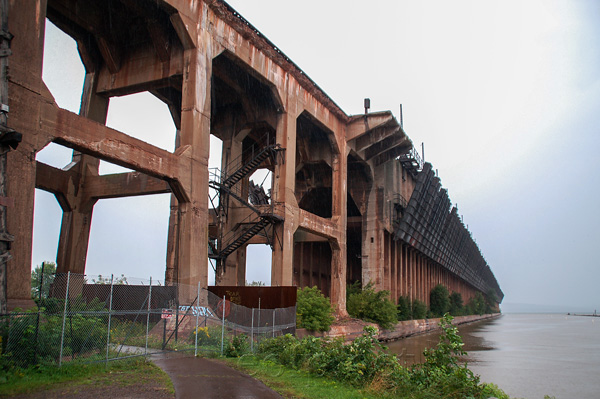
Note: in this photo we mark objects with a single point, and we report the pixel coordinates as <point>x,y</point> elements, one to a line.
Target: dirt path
<point>204,378</point>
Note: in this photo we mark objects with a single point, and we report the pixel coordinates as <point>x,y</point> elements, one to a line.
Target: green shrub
<point>313,310</point>
<point>207,336</point>
<point>373,306</point>
<point>356,363</point>
<point>83,334</point>
<point>364,363</point>
<point>490,301</point>
<point>404,308</point>
<point>439,301</point>
<point>477,304</point>
<point>419,310</point>
<point>456,304</point>
<point>441,372</point>
<point>237,346</point>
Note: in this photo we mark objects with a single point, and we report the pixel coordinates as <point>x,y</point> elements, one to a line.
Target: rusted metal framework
<point>343,188</point>
<point>433,229</point>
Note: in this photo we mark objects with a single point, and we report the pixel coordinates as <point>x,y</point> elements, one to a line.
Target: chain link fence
<point>79,319</point>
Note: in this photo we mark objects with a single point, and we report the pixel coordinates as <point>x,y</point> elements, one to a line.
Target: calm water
<point>528,355</point>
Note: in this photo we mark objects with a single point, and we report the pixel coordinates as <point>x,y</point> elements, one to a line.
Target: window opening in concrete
<point>46,228</point>
<point>129,236</point>
<point>258,264</point>
<point>314,157</point>
<point>63,72</point>
<point>312,261</point>
<point>244,109</point>
<point>55,155</point>
<point>143,116</point>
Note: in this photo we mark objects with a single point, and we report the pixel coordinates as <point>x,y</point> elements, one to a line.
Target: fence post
<point>196,330</point>
<point>274,310</point>
<point>252,333</point>
<point>148,316</point>
<point>62,334</point>
<point>258,324</point>
<point>110,298</point>
<point>222,324</point>
<point>177,315</point>
<point>37,323</point>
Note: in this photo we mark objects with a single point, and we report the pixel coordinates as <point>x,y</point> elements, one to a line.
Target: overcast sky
<point>505,95</point>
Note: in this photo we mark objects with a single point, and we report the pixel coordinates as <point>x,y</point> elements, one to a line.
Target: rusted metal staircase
<point>245,234</point>
<point>250,167</point>
<point>259,219</point>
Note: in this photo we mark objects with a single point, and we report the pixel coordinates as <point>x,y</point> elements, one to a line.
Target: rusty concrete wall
<point>219,76</point>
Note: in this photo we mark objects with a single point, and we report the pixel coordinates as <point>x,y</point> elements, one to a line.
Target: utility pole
<point>8,139</point>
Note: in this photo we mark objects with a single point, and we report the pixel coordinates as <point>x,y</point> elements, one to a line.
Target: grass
<point>292,383</point>
<point>41,378</point>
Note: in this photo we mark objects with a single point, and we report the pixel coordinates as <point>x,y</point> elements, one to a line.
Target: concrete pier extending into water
<point>350,197</point>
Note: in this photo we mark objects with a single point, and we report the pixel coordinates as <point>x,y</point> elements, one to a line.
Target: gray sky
<point>505,96</point>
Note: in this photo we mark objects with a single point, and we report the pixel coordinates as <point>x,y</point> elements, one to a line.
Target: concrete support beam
<point>142,70</point>
<point>192,236</point>
<point>55,181</point>
<point>339,215</point>
<point>94,139</point>
<point>27,24</point>
<point>122,185</point>
<point>76,223</point>
<point>284,198</point>
<point>361,124</point>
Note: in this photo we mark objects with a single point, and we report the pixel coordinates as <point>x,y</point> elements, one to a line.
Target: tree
<point>106,280</point>
<point>491,300</point>
<point>419,310</point>
<point>46,279</point>
<point>456,304</point>
<point>404,308</point>
<point>374,306</point>
<point>439,301</point>
<point>477,304</point>
<point>313,310</point>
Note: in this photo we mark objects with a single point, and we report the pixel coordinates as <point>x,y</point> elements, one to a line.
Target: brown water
<point>527,355</point>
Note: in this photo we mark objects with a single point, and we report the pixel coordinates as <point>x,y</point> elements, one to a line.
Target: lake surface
<point>527,355</point>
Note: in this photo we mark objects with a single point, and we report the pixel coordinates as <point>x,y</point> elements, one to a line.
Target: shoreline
<point>352,328</point>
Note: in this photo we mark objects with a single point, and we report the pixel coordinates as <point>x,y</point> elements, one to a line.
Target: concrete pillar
<point>410,272</point>
<point>77,217</point>
<point>339,213</point>
<point>373,244</point>
<point>192,237</point>
<point>27,23</point>
<point>338,279</point>
<point>230,271</point>
<point>170,272</point>
<point>283,193</point>
<point>387,263</point>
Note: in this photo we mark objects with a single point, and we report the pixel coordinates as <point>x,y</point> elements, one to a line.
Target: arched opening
<point>143,116</point>
<point>359,183</point>
<point>61,60</point>
<point>129,236</point>
<point>312,261</point>
<point>258,264</point>
<point>116,220</point>
<point>314,157</point>
<point>244,110</point>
